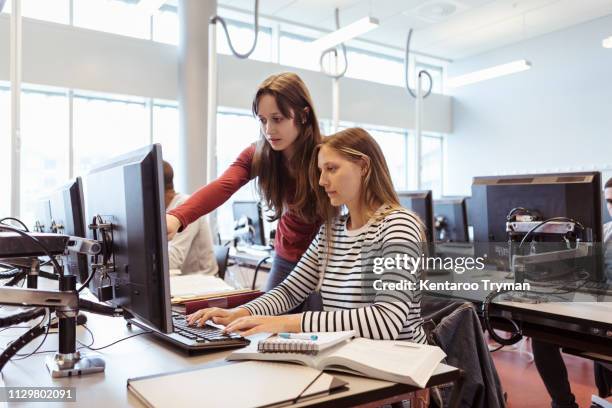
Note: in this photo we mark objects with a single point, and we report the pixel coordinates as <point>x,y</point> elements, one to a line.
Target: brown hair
<point>168,176</point>
<point>294,101</point>
<point>357,145</point>
<point>608,183</point>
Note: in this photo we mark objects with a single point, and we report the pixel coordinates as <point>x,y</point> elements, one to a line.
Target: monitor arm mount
<point>66,304</point>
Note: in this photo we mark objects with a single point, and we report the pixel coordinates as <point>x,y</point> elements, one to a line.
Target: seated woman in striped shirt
<point>351,257</point>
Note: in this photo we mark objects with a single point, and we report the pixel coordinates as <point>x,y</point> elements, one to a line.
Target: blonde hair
<point>357,145</point>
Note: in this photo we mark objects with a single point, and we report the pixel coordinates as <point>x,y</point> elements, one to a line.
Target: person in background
<point>191,250</point>
<point>351,172</point>
<point>279,161</point>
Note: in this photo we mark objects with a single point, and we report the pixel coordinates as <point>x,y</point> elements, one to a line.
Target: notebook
<point>275,344</point>
<point>248,384</point>
<point>397,361</point>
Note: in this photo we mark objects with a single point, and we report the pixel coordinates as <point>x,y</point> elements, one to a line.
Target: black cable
<point>214,20</point>
<point>515,336</point>
<point>261,262</point>
<point>89,278</point>
<point>501,346</point>
<point>21,317</point>
<point>25,227</point>
<point>120,340</point>
<point>21,357</point>
<point>56,266</point>
<point>22,341</point>
<point>9,274</point>
<point>547,221</point>
<point>406,62</point>
<point>515,209</point>
<point>17,278</point>
<point>90,334</point>
<point>342,47</point>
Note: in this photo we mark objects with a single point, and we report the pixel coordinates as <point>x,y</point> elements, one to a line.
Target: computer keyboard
<point>204,334</point>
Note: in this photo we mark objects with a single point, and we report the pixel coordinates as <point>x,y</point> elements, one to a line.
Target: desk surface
<point>146,355</point>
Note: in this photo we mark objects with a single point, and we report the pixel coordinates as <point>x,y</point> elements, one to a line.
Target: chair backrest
<point>222,256</point>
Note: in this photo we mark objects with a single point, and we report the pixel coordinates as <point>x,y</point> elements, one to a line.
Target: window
<point>5,149</point>
<point>106,126</point>
<point>166,131</point>
<point>48,10</point>
<point>242,36</point>
<point>235,131</point>
<point>113,16</point>
<point>374,67</point>
<point>292,52</point>
<point>44,145</point>
<point>431,164</point>
<point>436,76</point>
<point>166,25</point>
<point>394,146</point>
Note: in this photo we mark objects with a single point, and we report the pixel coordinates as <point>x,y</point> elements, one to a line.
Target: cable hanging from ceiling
<point>221,20</point>
<point>334,50</point>
<point>420,73</point>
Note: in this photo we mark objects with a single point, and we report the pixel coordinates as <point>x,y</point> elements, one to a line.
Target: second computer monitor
<point>575,196</point>
<point>452,214</point>
<point>421,203</point>
<point>62,212</point>
<point>249,222</point>
<point>127,192</point>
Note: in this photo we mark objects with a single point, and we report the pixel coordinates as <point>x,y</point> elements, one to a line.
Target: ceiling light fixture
<point>343,34</point>
<point>489,73</point>
<point>149,7</point>
<point>607,42</point>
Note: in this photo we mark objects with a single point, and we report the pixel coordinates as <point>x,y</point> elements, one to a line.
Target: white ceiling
<point>451,29</point>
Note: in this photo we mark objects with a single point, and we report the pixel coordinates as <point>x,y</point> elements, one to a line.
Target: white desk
<point>145,355</point>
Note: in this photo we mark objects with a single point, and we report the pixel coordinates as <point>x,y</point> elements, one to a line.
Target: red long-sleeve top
<point>293,234</point>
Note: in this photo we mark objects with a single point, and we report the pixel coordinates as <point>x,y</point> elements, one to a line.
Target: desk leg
<point>455,398</point>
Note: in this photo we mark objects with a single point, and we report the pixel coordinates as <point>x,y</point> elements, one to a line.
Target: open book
<point>397,361</point>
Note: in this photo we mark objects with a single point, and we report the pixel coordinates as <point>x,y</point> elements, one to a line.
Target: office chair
<point>222,256</point>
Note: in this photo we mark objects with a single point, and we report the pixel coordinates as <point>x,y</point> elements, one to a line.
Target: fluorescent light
<point>343,34</point>
<point>149,7</point>
<point>488,73</point>
<point>607,42</point>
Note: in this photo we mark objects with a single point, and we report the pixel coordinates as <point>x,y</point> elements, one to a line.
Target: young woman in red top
<point>279,160</point>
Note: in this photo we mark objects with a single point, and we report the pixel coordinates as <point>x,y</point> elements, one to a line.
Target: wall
<point>555,117</point>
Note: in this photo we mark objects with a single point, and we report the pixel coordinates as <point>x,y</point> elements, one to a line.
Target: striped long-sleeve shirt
<point>350,301</point>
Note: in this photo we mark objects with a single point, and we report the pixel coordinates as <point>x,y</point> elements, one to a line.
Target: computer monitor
<point>128,192</point>
<point>572,195</point>
<point>452,214</point>
<point>420,202</point>
<point>68,218</point>
<point>248,219</point>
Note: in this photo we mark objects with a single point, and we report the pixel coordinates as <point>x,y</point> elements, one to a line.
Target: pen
<point>297,336</point>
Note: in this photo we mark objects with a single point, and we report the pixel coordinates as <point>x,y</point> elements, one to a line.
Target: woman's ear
<point>365,165</point>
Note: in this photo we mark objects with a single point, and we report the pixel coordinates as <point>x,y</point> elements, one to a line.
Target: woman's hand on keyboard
<point>217,315</point>
<point>245,326</point>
